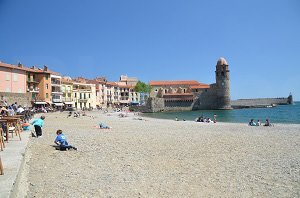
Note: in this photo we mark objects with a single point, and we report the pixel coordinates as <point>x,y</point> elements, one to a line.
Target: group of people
<point>206,119</point>
<point>258,123</point>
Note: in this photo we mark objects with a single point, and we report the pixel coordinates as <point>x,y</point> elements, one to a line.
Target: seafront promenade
<point>160,158</point>
<point>12,159</point>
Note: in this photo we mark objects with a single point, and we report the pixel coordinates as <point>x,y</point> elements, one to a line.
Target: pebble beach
<point>161,158</point>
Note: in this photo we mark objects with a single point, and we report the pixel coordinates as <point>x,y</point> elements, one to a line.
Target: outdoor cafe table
<point>10,120</point>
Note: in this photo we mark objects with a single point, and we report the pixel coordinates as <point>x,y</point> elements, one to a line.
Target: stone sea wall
<point>259,102</point>
<point>23,99</point>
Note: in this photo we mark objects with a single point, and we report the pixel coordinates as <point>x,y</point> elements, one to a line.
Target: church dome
<point>222,61</point>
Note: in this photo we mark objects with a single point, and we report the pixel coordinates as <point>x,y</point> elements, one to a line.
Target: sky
<point>159,40</point>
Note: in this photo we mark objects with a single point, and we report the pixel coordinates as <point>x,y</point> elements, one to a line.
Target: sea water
<point>278,114</point>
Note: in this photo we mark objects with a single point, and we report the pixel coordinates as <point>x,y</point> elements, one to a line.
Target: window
<point>47,77</point>
<point>222,73</point>
<point>47,86</point>
<point>15,77</point>
<point>166,91</point>
<point>89,95</point>
<point>75,95</point>
<point>20,90</point>
<point>47,95</point>
<point>7,77</point>
<point>28,77</point>
<point>7,89</point>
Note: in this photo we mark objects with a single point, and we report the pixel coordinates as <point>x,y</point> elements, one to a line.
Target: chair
<point>1,168</point>
<point>2,145</point>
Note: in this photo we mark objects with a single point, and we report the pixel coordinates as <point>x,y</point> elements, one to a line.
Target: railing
<point>56,100</point>
<point>32,81</point>
<point>68,100</point>
<point>124,98</point>
<point>55,82</point>
<point>82,100</point>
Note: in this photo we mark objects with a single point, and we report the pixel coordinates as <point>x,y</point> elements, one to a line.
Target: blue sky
<point>159,40</point>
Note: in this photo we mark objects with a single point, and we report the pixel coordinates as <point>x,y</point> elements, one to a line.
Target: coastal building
<point>67,90</point>
<point>56,91</point>
<point>29,86</point>
<point>39,85</point>
<point>191,94</point>
<point>12,78</point>
<point>84,94</point>
<point>127,94</point>
<point>112,94</point>
<point>101,90</point>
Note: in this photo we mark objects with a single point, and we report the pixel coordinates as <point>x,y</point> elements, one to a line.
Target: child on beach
<point>38,124</point>
<point>62,142</point>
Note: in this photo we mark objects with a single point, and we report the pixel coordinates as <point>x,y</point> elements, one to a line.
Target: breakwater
<point>260,102</point>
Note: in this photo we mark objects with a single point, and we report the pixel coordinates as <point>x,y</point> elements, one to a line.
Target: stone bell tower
<point>222,85</point>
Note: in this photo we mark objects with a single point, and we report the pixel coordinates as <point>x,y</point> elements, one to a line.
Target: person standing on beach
<point>215,118</point>
<point>38,124</point>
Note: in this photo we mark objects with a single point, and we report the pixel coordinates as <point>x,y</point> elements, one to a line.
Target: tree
<point>142,87</point>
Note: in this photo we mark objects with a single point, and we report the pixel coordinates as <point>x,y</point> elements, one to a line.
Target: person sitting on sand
<point>62,142</point>
<point>104,126</point>
<point>70,114</point>
<point>258,123</point>
<point>252,123</point>
<point>267,123</point>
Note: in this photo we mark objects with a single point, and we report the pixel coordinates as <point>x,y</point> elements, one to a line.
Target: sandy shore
<point>162,158</point>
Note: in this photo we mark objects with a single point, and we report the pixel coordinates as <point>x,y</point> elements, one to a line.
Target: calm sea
<point>278,114</point>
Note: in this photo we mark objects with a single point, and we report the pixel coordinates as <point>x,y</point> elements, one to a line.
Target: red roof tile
<point>191,83</point>
<point>201,86</point>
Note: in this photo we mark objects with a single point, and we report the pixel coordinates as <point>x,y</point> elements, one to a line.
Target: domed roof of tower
<point>222,61</point>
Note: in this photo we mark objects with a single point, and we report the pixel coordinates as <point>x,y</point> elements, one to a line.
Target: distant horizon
<point>160,40</point>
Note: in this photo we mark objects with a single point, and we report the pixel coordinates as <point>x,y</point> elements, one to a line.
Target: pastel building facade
<point>12,78</point>
<point>67,90</point>
<point>84,95</point>
<point>39,85</point>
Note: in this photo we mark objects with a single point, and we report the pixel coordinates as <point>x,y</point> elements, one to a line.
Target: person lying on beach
<point>139,118</point>
<point>62,142</point>
<point>104,126</point>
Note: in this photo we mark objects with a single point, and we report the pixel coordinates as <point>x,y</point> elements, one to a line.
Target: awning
<point>69,102</point>
<point>58,104</point>
<point>37,102</point>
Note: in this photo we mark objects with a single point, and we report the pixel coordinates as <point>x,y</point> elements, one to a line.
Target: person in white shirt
<point>20,109</point>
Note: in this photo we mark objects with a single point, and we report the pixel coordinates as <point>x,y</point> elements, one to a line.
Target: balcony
<point>56,100</point>
<point>68,99</point>
<point>33,90</point>
<point>82,100</point>
<point>29,80</point>
<point>55,82</point>
<point>124,98</point>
